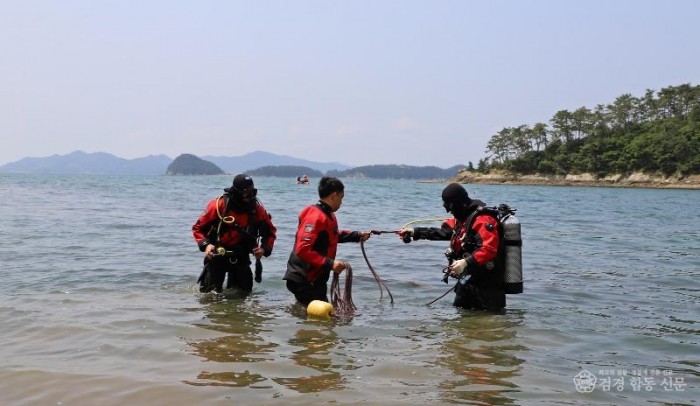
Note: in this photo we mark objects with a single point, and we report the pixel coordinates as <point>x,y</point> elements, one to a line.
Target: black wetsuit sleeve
<point>348,236</point>
<point>432,233</point>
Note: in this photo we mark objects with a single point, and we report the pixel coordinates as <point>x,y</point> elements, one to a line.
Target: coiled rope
<point>343,304</point>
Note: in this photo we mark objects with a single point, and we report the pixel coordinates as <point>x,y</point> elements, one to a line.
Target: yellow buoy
<point>320,310</point>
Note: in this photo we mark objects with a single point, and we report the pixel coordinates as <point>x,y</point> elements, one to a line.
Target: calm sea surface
<point>99,304</point>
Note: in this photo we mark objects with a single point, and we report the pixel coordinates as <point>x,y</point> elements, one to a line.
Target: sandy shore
<point>635,180</point>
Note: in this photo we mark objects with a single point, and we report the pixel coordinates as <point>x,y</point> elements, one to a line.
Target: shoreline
<point>635,180</point>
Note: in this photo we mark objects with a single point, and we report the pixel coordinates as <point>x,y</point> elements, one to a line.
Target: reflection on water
<point>314,347</point>
<point>472,357</point>
<point>241,343</point>
<point>317,348</point>
<point>479,350</point>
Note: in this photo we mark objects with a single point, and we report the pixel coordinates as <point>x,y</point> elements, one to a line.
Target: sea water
<point>99,302</point>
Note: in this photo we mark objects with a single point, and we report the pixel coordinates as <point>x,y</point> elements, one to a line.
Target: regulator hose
<point>443,295</point>
<point>425,221</point>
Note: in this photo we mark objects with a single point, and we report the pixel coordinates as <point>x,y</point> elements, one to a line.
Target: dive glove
<point>406,234</point>
<point>458,267</point>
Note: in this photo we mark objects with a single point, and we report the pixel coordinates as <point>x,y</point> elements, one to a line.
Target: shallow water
<point>100,306</point>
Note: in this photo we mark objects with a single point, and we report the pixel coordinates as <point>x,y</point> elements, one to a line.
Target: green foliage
<point>659,132</point>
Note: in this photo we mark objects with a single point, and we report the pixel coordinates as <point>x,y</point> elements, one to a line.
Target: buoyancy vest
<point>232,227</point>
<point>236,227</point>
<point>478,238</point>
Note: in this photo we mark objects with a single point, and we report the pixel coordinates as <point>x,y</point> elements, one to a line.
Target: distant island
<point>398,172</point>
<point>95,163</point>
<point>649,141</point>
<point>101,163</point>
<point>285,171</point>
<point>188,164</point>
<point>368,172</point>
<point>256,163</point>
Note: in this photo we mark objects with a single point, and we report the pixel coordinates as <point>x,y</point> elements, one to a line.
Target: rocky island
<point>187,164</point>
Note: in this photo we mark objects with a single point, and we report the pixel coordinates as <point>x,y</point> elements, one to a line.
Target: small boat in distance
<point>302,180</point>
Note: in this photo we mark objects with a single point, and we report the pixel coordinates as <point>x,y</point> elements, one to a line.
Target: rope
<point>445,279</point>
<point>343,304</point>
<point>425,221</point>
<point>377,278</point>
<point>222,219</point>
<point>380,283</point>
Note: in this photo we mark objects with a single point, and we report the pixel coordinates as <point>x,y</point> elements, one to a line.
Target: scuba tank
<point>512,247</point>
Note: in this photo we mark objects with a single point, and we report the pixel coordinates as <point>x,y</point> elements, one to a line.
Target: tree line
<point>658,132</point>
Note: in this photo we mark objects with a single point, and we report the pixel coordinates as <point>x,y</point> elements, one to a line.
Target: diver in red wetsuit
<point>313,256</point>
<point>475,240</point>
<point>231,227</point>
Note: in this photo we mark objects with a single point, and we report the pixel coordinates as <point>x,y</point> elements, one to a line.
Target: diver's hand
<point>458,267</point>
<point>258,252</point>
<point>364,235</point>
<point>339,266</point>
<point>406,234</point>
<point>209,251</point>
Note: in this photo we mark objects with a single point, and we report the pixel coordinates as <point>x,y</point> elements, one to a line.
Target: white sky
<point>357,82</point>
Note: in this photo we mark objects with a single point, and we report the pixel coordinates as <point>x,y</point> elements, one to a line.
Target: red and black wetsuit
<point>479,245</point>
<point>315,244</point>
<point>238,235</point>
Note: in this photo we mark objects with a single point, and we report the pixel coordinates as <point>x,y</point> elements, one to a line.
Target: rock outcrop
<point>636,179</point>
<point>188,164</point>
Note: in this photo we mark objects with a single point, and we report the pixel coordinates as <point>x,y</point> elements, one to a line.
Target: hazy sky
<point>356,82</point>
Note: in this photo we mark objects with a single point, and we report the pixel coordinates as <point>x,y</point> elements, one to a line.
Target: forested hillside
<point>657,132</point>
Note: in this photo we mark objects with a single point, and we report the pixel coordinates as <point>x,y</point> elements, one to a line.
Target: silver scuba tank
<point>513,275</point>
